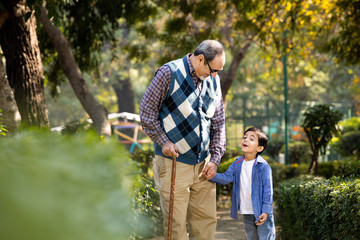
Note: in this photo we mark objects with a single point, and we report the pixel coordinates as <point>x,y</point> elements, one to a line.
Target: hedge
<point>54,187</point>
<point>342,168</point>
<point>318,208</point>
<point>348,144</point>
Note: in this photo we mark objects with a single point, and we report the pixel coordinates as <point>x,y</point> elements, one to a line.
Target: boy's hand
<point>262,219</point>
<point>209,170</point>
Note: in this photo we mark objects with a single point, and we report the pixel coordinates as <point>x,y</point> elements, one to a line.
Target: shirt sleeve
<point>227,177</point>
<point>151,103</point>
<point>217,134</point>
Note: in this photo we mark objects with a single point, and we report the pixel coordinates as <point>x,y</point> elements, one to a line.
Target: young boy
<point>252,187</point>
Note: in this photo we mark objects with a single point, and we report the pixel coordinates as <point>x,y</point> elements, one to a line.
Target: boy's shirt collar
<point>257,159</point>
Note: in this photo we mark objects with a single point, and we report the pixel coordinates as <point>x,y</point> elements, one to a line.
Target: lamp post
<point>285,101</point>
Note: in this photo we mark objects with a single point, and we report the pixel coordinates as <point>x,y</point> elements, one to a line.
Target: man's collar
<point>191,68</point>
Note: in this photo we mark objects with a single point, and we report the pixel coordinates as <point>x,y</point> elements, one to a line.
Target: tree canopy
<point>123,42</point>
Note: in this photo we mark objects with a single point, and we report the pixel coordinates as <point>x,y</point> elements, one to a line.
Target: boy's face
<point>250,143</point>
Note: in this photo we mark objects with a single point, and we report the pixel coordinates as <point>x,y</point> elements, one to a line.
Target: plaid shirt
<point>151,103</point>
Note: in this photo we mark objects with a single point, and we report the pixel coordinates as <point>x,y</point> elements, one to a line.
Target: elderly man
<point>183,113</point>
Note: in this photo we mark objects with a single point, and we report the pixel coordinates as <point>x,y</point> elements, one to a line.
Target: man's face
<point>213,67</point>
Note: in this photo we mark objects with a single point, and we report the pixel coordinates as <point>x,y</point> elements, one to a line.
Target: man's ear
<point>201,58</point>
<point>260,148</point>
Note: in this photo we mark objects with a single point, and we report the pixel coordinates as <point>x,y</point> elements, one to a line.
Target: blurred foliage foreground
<point>78,187</point>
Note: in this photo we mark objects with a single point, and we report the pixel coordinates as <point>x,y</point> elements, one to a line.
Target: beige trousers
<point>194,200</point>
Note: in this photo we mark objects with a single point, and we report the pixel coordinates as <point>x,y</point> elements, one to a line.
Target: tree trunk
<point>125,96</point>
<point>10,113</point>
<point>24,68</point>
<point>96,111</point>
<point>313,168</point>
<point>228,77</point>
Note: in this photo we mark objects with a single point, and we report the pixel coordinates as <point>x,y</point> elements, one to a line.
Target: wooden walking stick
<point>172,192</point>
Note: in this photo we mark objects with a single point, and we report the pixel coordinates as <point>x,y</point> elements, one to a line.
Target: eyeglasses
<point>212,70</point>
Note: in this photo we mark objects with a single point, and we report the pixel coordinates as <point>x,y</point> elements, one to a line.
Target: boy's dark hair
<point>263,138</point>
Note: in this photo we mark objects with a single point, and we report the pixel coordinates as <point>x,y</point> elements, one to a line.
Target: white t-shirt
<point>245,187</point>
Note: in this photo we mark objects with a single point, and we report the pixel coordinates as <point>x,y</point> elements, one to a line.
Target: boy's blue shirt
<point>261,187</point>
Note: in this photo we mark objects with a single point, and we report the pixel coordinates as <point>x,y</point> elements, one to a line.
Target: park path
<point>227,228</point>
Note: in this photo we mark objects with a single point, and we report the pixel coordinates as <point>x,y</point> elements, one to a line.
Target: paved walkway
<point>228,228</point>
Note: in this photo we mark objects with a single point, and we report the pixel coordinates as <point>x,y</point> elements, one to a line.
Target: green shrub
<point>225,164</point>
<point>278,172</point>
<point>231,153</point>
<point>147,206</point>
<point>76,127</point>
<point>54,187</point>
<point>318,209</point>
<point>273,149</point>
<point>343,168</point>
<point>299,152</point>
<point>281,172</point>
<point>348,144</point>
<point>147,197</point>
<point>144,159</point>
<point>350,125</point>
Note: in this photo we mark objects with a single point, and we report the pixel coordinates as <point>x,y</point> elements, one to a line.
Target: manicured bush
<point>343,168</point>
<point>54,187</point>
<point>273,149</point>
<point>278,172</point>
<point>299,152</point>
<point>316,208</point>
<point>281,172</point>
<point>348,144</point>
<point>350,125</point>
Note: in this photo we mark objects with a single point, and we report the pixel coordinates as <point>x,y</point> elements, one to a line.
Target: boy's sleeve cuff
<point>267,209</point>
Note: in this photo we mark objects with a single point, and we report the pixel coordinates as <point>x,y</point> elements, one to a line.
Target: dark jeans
<point>261,232</point>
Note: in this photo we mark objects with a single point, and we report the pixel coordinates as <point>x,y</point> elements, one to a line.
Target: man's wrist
<point>166,143</point>
<point>215,159</point>
<point>162,140</point>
